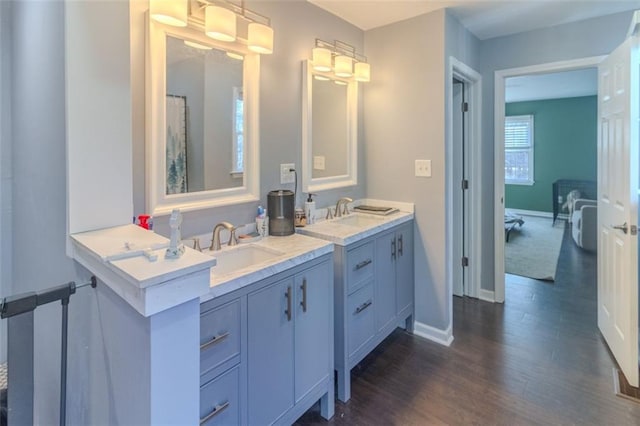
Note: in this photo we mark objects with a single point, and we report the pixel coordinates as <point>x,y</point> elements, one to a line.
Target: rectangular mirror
<point>329,130</point>
<point>202,121</point>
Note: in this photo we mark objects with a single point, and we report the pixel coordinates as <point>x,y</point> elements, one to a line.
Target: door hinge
<point>465,106</point>
<point>634,230</point>
<point>465,184</point>
<point>465,261</point>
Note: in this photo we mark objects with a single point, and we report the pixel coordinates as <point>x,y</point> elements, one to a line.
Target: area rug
<point>533,248</point>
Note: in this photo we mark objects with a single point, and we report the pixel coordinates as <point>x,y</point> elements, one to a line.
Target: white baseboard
<point>487,295</point>
<point>443,337</point>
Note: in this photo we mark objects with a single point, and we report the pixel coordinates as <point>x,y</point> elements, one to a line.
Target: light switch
<point>318,162</point>
<point>423,168</point>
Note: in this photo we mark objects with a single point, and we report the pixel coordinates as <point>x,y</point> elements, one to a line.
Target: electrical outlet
<point>423,168</point>
<point>318,162</point>
<point>286,176</point>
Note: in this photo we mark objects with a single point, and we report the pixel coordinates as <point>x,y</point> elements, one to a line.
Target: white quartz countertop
<point>113,245</point>
<point>354,227</point>
<point>291,251</point>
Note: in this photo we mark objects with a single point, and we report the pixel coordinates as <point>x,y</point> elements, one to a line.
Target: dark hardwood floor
<point>537,359</point>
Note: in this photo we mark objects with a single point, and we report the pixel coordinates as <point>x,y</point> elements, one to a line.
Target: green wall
<point>565,137</point>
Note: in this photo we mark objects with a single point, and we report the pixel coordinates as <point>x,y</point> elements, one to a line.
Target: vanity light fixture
<point>219,21</point>
<point>342,59</point>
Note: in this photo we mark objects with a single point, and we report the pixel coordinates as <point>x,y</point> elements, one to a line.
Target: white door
<point>618,184</point>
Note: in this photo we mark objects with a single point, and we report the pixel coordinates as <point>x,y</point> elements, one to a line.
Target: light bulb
<point>362,72</point>
<point>343,66</point>
<point>220,23</point>
<point>260,38</point>
<point>169,12</point>
<point>321,59</point>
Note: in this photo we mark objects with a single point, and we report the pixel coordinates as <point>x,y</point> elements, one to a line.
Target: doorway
<point>464,218</point>
<point>460,147</point>
<point>499,149</point>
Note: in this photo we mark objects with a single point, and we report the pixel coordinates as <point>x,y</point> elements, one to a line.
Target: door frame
<point>473,82</point>
<point>499,116</point>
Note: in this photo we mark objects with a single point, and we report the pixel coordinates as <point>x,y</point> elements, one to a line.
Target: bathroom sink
<point>358,220</point>
<point>243,256</point>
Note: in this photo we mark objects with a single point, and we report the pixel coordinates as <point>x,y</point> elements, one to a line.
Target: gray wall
<point>39,198</point>
<point>404,105</point>
<point>6,178</point>
<point>576,40</point>
<point>296,26</point>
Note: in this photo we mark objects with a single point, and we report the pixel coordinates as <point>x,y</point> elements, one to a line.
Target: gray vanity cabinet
<point>394,277</point>
<point>404,272</point>
<point>267,349</point>
<point>373,281</point>
<point>289,326</point>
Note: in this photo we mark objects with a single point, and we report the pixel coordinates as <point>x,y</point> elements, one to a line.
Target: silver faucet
<point>215,240</point>
<point>343,201</point>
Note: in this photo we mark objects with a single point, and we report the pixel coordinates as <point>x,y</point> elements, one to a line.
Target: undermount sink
<point>243,256</point>
<point>358,220</point>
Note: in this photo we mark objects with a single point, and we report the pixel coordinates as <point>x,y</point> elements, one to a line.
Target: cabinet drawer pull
<point>363,264</point>
<point>215,340</point>
<point>400,245</point>
<point>304,295</point>
<point>288,310</point>
<point>362,307</point>
<point>216,410</point>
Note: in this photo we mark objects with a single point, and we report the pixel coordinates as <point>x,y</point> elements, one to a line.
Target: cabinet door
<point>385,296</point>
<point>270,352</point>
<point>404,267</point>
<point>313,328</point>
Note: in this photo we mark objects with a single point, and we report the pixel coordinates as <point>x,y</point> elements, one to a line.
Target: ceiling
<point>484,18</point>
<point>566,84</point>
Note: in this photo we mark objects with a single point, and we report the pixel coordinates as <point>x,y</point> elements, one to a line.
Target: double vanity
<point>274,328</point>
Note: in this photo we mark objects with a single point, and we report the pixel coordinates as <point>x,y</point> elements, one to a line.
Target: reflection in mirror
<point>205,118</point>
<point>330,130</point>
<point>202,121</point>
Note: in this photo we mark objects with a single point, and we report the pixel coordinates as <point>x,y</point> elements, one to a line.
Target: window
<point>518,150</point>
<point>237,167</point>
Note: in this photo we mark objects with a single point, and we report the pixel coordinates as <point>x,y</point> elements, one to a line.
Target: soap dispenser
<point>310,209</point>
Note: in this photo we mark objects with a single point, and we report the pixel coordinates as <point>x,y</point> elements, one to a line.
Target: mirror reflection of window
<point>237,166</point>
<point>211,82</point>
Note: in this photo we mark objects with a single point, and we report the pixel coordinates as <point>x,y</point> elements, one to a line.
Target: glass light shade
<point>197,45</point>
<point>321,77</point>
<point>260,38</point>
<point>362,71</point>
<point>321,59</point>
<point>170,12</point>
<point>340,82</point>
<point>343,66</point>
<point>220,23</point>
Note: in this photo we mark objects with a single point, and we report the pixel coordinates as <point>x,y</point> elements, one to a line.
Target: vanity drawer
<point>220,399</point>
<point>219,336</point>
<point>360,318</point>
<point>359,266</point>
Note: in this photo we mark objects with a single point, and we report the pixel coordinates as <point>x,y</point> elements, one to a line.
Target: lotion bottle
<point>310,209</point>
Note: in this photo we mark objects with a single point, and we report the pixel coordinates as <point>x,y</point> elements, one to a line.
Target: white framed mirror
<point>329,130</point>
<point>202,134</point>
